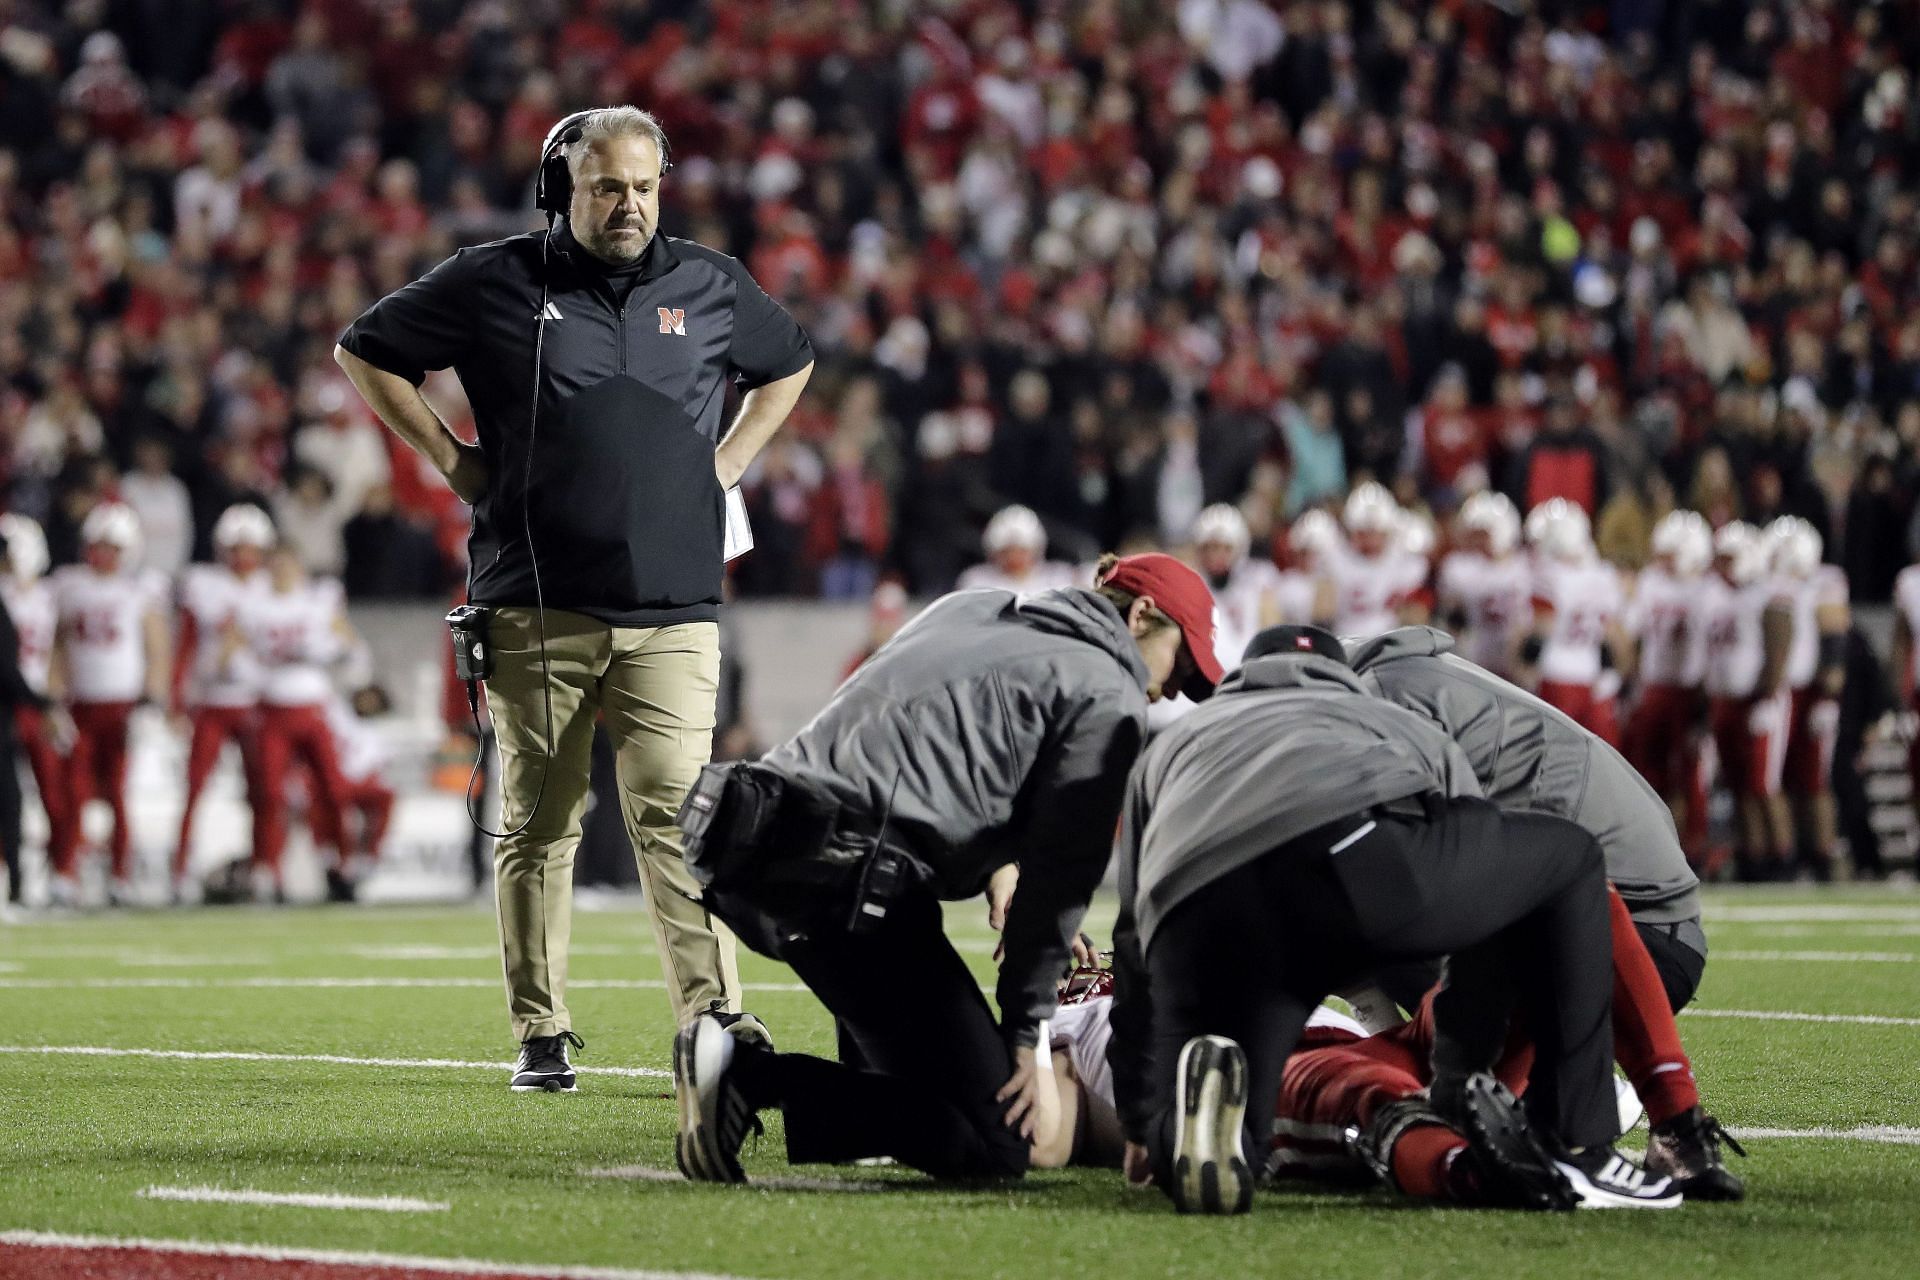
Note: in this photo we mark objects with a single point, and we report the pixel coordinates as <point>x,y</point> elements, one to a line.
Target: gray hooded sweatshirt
<point>1287,744</point>
<point>1528,756</point>
<point>994,728</point>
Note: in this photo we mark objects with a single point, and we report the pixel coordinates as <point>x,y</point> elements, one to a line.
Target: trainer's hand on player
<point>999,893</point>
<point>1137,1165</point>
<point>1035,1113</point>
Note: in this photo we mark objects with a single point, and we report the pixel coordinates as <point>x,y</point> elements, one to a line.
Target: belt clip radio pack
<point>472,645</point>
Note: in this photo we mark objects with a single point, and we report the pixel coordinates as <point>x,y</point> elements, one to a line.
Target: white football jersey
<point>1906,598</point>
<point>1248,602</point>
<point>30,605</point>
<point>1585,599</point>
<point>1044,576</point>
<point>1736,636</point>
<point>210,597</point>
<point>362,751</point>
<point>104,618</point>
<point>1369,590</point>
<point>1668,615</point>
<point>1827,587</point>
<point>1496,596</point>
<point>291,636</point>
<point>1296,593</point>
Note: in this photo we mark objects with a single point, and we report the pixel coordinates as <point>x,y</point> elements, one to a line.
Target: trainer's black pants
<point>1678,955</point>
<point>1518,902</point>
<point>930,1047</point>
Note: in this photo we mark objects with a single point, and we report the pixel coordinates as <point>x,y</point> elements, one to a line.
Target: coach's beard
<point>608,243</point>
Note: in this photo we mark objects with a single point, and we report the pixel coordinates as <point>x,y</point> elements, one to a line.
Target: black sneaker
<point>715,1117</point>
<point>1602,1178</point>
<point>1505,1164</point>
<point>1210,1171</point>
<point>745,1028</point>
<point>339,888</point>
<point>1687,1149</point>
<point>543,1065</point>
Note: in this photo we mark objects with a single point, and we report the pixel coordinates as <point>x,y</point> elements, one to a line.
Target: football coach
<point>595,355</point>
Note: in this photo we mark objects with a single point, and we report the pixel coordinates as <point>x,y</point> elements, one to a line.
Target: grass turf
<point>81,1136</point>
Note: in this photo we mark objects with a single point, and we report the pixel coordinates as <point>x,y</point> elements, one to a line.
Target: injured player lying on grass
<point>1353,1107</point>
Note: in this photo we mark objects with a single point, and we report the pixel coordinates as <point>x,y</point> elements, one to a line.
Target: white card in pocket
<point>739,535</point>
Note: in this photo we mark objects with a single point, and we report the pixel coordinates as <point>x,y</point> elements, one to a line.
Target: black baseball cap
<point>1296,639</point>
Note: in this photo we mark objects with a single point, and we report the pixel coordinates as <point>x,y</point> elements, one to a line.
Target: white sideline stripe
<point>1787,1015</point>
<point>196,1055</point>
<point>8,968</point>
<point>1837,957</point>
<point>1807,914</point>
<point>345,1258</point>
<point>1897,1135</point>
<point>1844,930</point>
<point>424,952</point>
<point>648,1173</point>
<point>220,1195</point>
<point>359,984</point>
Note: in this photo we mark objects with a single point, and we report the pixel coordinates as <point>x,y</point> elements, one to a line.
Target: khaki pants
<point>655,688</point>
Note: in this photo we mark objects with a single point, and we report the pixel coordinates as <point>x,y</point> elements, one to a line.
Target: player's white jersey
<point>30,605</point>
<point>1370,590</point>
<point>1296,594</point>
<point>1827,587</point>
<point>104,618</point>
<point>1496,596</point>
<point>1585,599</point>
<point>210,597</point>
<point>292,637</point>
<point>1736,636</point>
<point>361,750</point>
<point>1906,598</point>
<point>1668,614</point>
<point>1249,601</point>
<point>1044,576</point>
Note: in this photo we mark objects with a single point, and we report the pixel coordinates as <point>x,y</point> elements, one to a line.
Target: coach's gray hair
<point>616,122</point>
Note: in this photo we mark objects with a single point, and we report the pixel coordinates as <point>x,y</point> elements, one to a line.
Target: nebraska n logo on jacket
<point>673,320</point>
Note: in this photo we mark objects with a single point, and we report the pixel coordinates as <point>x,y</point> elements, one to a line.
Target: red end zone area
<point>33,1256</point>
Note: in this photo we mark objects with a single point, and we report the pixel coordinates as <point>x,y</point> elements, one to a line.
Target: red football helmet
<point>1089,981</point>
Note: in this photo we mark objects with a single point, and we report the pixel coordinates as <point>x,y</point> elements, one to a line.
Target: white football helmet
<point>1560,529</point>
<point>1413,534</point>
<point>1370,509</point>
<point>113,523</point>
<point>26,546</point>
<point>243,525</point>
<point>1745,551</point>
<point>1223,523</point>
<point>1686,539</point>
<point>1795,546</point>
<point>1015,526</point>
<point>1314,533</point>
<point>1494,515</point>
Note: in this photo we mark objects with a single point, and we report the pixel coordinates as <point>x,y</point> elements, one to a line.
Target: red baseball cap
<point>1182,595</point>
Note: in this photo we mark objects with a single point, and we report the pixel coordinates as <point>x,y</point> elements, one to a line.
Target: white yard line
<point>1786,1015</point>
<point>322,984</point>
<point>1806,913</point>
<point>1830,930</point>
<point>1823,957</point>
<point>1897,1135</point>
<point>422,952</point>
<point>222,1195</point>
<point>649,1173</point>
<point>192,1055</point>
<point>345,1258</point>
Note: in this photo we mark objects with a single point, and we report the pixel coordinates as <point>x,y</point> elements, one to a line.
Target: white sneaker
<point>63,893</point>
<point>1605,1179</point>
<point>121,893</point>
<point>1210,1170</point>
<point>187,891</point>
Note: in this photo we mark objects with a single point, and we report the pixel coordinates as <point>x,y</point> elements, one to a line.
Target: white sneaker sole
<point>1210,1172</point>
<point>700,1056</point>
<point>1594,1196</point>
<point>552,1084</point>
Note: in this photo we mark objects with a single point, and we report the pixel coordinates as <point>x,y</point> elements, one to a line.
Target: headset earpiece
<point>553,183</point>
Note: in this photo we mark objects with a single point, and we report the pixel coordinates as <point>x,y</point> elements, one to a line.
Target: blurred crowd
<point>1112,260</point>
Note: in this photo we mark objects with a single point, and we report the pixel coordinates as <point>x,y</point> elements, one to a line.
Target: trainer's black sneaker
<point>744,1027</point>
<point>1210,1170</point>
<point>1505,1164</point>
<point>1604,1179</point>
<point>1687,1149</point>
<point>543,1065</point>
<point>715,1116</point>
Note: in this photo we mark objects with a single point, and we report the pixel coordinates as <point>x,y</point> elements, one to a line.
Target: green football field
<point>360,1053</point>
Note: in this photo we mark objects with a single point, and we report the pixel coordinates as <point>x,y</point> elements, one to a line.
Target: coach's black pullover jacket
<point>627,515</point>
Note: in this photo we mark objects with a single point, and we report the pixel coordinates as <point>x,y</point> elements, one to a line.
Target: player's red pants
<point>1750,735</point>
<point>1334,1082</point>
<point>1660,741</point>
<point>213,728</point>
<point>50,778</point>
<point>97,770</point>
<point>371,800</point>
<point>288,734</point>
<point>1593,713</point>
<point>1813,726</point>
